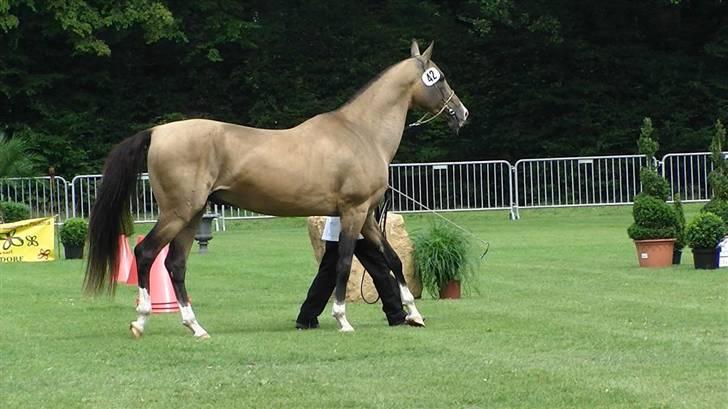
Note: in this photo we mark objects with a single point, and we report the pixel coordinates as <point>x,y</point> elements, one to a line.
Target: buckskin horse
<point>335,164</point>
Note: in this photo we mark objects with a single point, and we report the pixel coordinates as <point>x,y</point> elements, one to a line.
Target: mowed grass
<point>564,319</point>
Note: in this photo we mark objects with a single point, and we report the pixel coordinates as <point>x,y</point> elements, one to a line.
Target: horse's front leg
<point>351,223</point>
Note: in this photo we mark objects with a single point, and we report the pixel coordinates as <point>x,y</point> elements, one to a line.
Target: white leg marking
<point>338,311</point>
<point>189,321</point>
<point>143,309</point>
<point>408,300</point>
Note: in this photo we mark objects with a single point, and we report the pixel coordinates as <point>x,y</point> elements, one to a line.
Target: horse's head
<point>433,93</point>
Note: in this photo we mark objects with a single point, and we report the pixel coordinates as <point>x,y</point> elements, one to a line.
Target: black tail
<point>110,215</point>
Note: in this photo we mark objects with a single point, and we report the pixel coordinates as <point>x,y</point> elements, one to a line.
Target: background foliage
<point>541,78</point>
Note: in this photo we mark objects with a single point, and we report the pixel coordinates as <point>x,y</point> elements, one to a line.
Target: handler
<point>325,281</point>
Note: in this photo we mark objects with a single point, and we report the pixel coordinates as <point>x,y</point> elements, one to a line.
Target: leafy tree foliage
<point>541,78</point>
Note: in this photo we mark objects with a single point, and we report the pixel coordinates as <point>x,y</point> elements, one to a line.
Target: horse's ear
<point>427,55</point>
<point>415,49</point>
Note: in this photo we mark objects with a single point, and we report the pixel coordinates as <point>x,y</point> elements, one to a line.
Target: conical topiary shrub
<point>655,222</point>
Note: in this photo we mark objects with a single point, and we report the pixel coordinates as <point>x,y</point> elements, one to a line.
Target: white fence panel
<point>143,205</point>
<point>687,174</point>
<point>577,181</point>
<point>418,187</point>
<point>45,196</point>
<point>484,185</point>
<point>225,213</point>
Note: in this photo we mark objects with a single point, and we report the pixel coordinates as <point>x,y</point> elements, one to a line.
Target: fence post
<point>513,180</point>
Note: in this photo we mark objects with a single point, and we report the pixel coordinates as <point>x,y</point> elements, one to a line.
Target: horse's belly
<point>274,202</point>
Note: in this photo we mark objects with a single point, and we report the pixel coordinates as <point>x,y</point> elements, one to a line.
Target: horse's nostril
<point>466,113</point>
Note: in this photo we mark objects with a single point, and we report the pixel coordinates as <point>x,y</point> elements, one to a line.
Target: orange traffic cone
<point>123,264</point>
<point>160,286</point>
<point>133,274</point>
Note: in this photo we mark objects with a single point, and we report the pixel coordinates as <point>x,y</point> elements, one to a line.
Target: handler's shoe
<point>310,324</point>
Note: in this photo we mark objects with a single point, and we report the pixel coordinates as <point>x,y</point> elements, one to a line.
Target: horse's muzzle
<point>457,120</point>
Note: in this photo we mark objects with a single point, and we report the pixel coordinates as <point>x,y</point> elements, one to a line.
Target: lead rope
<point>485,243</point>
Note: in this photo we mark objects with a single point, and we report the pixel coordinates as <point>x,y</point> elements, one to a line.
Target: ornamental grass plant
<point>442,254</point>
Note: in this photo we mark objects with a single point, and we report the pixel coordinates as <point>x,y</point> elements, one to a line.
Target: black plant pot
<point>705,259</point>
<point>73,252</point>
<point>676,256</point>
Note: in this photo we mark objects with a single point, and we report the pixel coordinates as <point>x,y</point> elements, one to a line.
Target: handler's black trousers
<point>325,281</point>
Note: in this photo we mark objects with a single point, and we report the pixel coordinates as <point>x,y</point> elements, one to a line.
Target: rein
<point>423,121</point>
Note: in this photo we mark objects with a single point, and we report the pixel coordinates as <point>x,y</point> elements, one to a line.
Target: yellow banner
<point>27,240</point>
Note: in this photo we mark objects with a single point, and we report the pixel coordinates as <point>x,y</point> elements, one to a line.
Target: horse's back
<point>281,172</point>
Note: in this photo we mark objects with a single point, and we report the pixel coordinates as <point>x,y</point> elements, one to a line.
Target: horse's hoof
<point>416,321</point>
<point>203,337</point>
<point>347,328</point>
<point>136,331</point>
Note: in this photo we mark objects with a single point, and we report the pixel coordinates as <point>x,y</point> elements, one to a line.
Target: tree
<point>78,76</point>
<point>556,78</point>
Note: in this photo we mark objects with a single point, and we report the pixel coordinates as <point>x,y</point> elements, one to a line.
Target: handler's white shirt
<point>332,228</point>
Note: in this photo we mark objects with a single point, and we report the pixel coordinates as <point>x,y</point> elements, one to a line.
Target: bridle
<point>445,106</point>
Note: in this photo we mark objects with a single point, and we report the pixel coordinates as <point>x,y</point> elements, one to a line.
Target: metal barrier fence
<point>45,196</point>
<point>443,186</point>
<point>143,204</point>
<point>233,213</point>
<point>687,174</point>
<point>417,187</point>
<point>577,181</point>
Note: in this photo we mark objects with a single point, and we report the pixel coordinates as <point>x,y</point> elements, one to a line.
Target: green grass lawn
<point>564,319</point>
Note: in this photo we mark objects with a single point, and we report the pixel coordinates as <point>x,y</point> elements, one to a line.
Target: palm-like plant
<point>16,159</point>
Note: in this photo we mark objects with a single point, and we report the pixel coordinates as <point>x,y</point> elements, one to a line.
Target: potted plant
<point>73,236</point>
<point>703,234</point>
<point>654,228</point>
<point>442,260</point>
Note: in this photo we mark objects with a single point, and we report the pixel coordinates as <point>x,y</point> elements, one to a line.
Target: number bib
<point>431,76</point>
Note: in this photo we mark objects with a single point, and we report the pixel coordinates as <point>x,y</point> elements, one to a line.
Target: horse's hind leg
<point>145,253</point>
<point>371,232</point>
<point>176,263</point>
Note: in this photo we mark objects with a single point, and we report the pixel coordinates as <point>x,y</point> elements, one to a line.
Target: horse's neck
<point>380,111</point>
